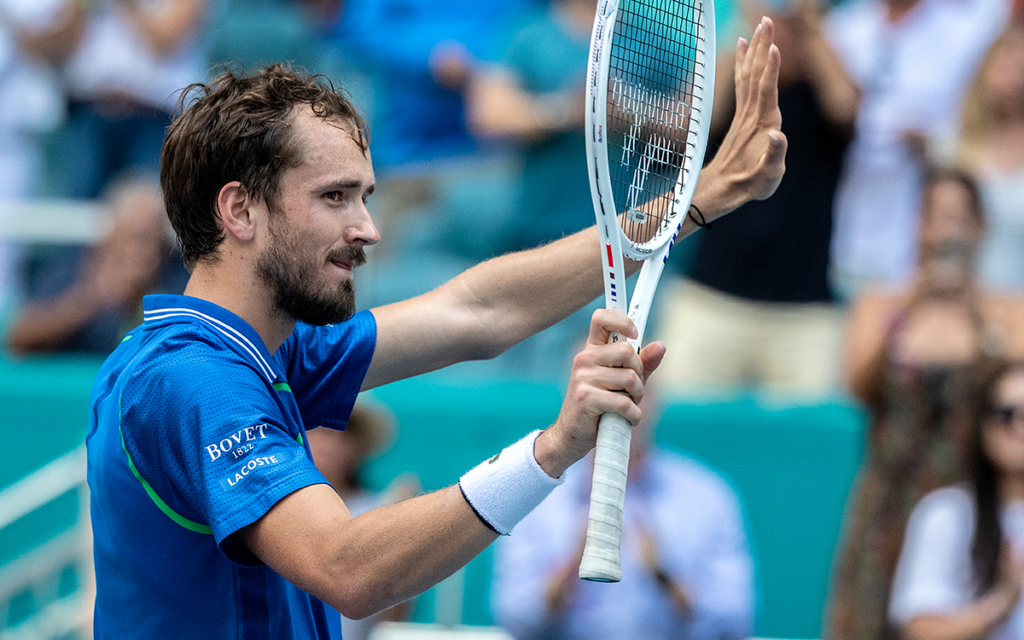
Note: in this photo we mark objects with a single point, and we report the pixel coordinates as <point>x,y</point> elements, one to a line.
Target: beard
<point>300,290</point>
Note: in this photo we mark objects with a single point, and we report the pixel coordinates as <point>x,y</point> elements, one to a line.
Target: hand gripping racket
<point>649,91</point>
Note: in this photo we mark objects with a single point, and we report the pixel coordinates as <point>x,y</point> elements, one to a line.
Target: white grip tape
<point>607,496</point>
<point>504,489</point>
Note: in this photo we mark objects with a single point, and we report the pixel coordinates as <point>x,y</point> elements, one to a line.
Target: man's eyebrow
<point>344,184</point>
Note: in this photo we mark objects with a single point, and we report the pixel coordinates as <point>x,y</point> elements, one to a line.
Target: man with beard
<point>210,519</point>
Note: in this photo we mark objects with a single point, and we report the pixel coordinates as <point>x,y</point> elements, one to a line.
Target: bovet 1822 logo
<point>237,444</point>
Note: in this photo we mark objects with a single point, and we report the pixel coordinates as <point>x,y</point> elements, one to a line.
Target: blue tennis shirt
<point>196,431</point>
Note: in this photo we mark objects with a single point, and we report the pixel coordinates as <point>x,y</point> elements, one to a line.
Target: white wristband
<point>504,489</point>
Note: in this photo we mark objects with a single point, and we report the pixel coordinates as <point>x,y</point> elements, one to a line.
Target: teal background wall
<point>792,465</point>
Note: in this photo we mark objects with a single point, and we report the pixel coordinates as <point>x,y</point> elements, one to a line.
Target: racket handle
<point>607,495</point>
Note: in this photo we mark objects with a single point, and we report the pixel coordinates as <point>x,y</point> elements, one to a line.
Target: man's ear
<point>234,205</point>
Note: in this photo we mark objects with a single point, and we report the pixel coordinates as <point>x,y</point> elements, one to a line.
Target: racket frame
<point>601,559</point>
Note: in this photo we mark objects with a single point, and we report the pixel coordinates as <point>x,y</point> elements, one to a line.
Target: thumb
<point>777,145</point>
<point>651,357</point>
<point>772,165</point>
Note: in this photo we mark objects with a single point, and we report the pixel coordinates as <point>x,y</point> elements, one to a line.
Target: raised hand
<point>751,161</point>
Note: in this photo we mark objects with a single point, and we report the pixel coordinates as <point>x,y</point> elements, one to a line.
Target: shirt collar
<point>167,309</point>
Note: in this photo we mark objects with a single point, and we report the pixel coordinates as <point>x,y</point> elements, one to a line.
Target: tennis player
<point>210,519</point>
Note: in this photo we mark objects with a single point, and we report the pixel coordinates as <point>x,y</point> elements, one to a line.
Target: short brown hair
<point>238,127</point>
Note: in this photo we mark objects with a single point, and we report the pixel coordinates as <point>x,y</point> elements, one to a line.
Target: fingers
<point>769,79</point>
<point>745,64</point>
<point>754,59</point>
<point>765,42</point>
<point>605,322</point>
<point>742,47</point>
<point>612,367</point>
<point>611,376</point>
<point>741,52</point>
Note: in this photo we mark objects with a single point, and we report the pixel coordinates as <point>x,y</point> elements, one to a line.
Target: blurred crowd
<point>888,266</point>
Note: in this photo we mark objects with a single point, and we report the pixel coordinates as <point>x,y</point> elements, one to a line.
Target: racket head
<point>649,97</point>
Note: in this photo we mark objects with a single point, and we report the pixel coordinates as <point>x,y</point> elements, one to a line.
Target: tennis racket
<point>649,91</point>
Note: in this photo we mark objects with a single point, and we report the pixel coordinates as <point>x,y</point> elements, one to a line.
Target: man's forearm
<point>363,565</point>
<point>527,292</point>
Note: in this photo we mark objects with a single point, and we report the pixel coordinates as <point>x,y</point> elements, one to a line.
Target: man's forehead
<point>333,141</point>
<point>307,124</point>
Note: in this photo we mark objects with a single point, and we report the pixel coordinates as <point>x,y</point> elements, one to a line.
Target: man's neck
<point>243,295</point>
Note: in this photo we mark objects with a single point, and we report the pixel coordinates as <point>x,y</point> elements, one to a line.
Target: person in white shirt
<point>687,570</point>
<point>990,144</point>
<point>913,61</point>
<point>31,107</point>
<point>129,66</point>
<point>961,568</point>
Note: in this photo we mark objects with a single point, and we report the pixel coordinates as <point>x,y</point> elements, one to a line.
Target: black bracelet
<point>661,576</point>
<point>699,221</point>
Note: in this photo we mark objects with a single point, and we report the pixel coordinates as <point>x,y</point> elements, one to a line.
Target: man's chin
<point>323,321</point>
<point>320,314</point>
<point>323,312</point>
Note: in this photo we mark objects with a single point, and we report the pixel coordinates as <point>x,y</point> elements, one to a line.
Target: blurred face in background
<point>789,33</point>
<point>1002,437</point>
<point>950,232</point>
<point>1003,76</point>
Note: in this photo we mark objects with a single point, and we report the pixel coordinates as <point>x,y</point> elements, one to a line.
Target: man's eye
<point>334,196</point>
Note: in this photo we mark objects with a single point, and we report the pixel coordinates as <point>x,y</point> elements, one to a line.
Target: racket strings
<point>656,80</point>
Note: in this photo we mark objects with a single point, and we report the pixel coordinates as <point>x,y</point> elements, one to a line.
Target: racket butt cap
<point>600,569</point>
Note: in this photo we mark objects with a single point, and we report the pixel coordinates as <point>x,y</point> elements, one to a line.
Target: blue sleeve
<point>325,367</point>
<point>210,440</point>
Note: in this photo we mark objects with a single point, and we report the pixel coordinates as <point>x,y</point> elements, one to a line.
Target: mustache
<point>355,256</point>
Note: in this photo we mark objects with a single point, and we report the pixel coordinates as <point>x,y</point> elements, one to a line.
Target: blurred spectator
<point>961,569</point>
<point>33,34</point>
<point>341,456</point>
<point>532,101</point>
<point>909,356</point>
<point>757,308</point>
<point>419,55</point>
<point>686,566</point>
<point>84,299</point>
<point>249,34</point>
<point>991,145</point>
<point>128,67</point>
<point>913,61</point>
<point>535,97</point>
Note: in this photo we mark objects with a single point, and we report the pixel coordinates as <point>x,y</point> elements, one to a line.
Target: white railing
<point>412,631</point>
<point>38,573</point>
<point>52,221</point>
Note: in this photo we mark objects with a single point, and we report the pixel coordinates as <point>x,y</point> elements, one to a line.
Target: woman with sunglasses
<point>961,568</point>
<point>910,356</point>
